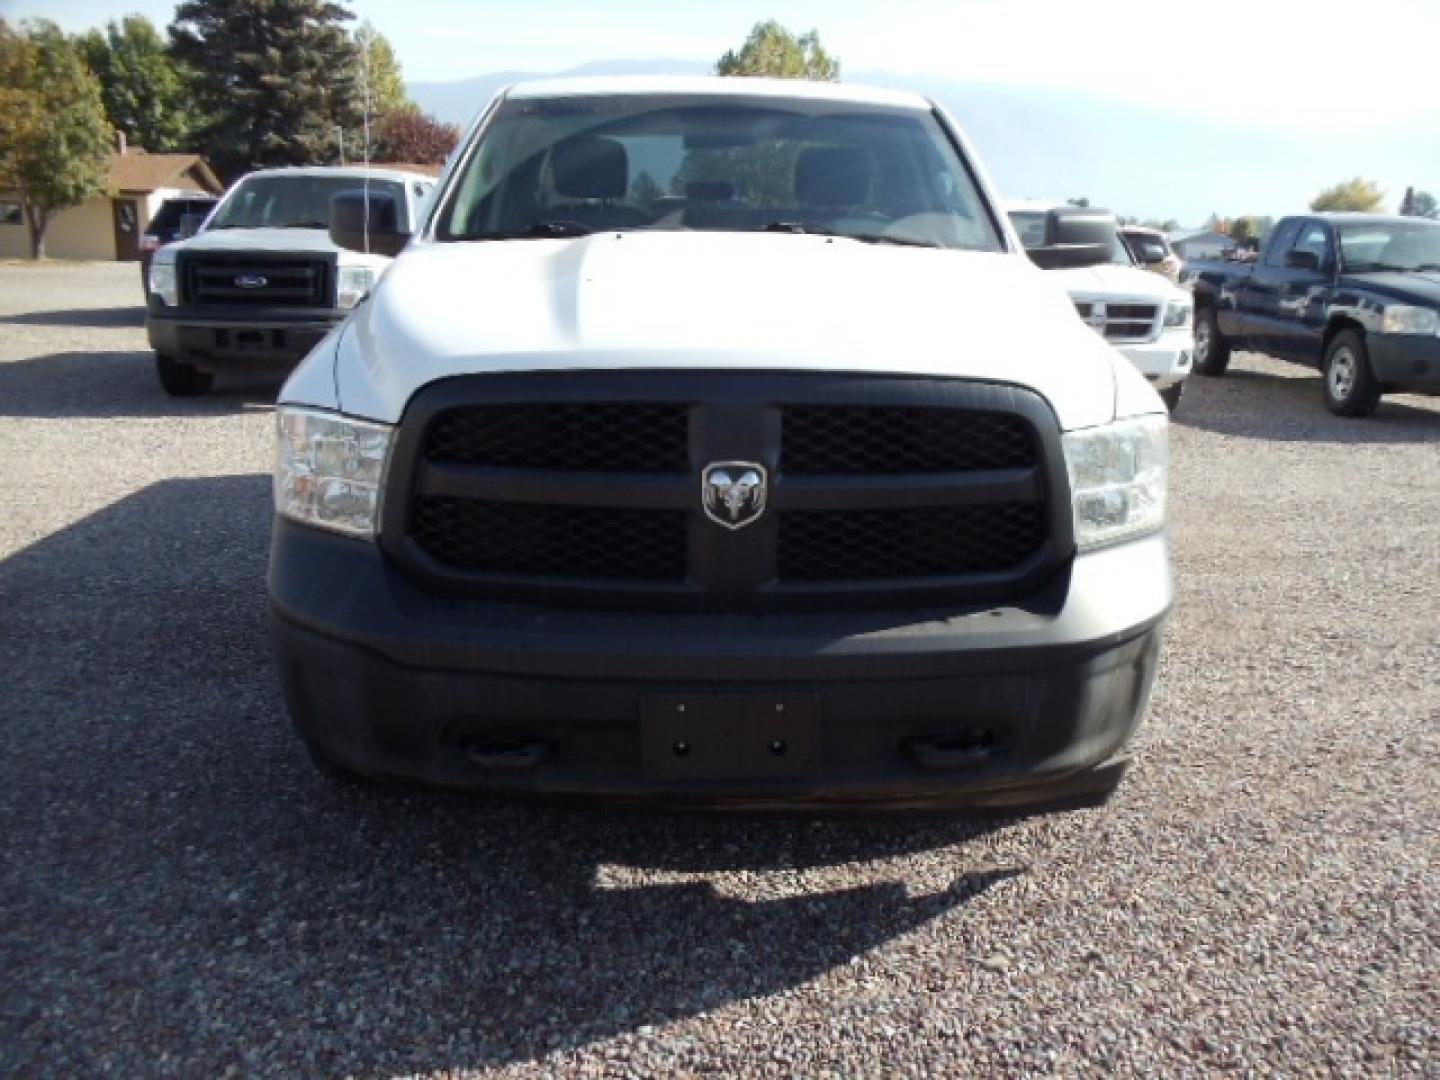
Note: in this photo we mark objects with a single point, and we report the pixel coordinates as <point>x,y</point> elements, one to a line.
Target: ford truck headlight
<point>352,283</point>
<point>162,279</point>
<point>1117,480</point>
<point>329,470</point>
<point>1404,319</point>
<point>1177,313</point>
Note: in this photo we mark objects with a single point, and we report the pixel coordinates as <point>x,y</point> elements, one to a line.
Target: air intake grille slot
<point>862,439</point>
<point>552,540</point>
<point>931,541</point>
<point>646,437</point>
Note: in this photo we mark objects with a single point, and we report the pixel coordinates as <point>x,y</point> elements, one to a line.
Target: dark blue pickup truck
<point>1357,295</point>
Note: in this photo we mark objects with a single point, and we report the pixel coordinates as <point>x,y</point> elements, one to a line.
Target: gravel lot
<point>180,893</point>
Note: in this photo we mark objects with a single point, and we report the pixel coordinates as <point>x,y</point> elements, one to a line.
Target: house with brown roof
<point>108,226</point>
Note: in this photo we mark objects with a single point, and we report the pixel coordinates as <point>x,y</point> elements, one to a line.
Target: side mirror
<point>377,232</point>
<point>190,224</point>
<point>1076,236</point>
<point>1302,260</point>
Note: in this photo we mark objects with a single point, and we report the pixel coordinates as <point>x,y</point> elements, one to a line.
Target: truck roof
<point>356,172</point>
<point>715,85</point>
<point>1343,216</point>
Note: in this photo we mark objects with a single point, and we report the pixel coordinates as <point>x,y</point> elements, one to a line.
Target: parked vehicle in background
<point>783,477</point>
<point>168,225</point>
<point>1144,316</point>
<point>262,283</point>
<point>1152,251</point>
<point>1357,295</point>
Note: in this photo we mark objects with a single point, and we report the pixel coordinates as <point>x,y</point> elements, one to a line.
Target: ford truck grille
<point>1121,322</point>
<point>256,280</point>
<point>583,489</point>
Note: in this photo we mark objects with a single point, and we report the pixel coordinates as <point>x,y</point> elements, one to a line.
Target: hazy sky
<point>1316,72</point>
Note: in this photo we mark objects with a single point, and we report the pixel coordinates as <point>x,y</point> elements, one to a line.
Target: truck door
<point>1304,286</point>
<point>1257,298</point>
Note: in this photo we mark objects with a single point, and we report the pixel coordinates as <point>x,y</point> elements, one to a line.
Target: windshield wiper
<point>864,238</point>
<point>538,231</point>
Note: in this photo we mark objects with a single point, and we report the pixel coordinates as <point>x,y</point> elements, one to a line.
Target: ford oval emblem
<point>251,281</point>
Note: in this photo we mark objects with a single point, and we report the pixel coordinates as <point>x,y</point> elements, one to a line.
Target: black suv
<point>167,226</point>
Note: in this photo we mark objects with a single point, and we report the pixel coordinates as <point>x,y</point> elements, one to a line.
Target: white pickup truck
<point>262,282</point>
<point>1145,316</point>
<point>716,440</point>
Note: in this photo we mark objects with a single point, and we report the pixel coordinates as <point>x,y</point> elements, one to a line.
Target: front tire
<point>182,380</point>
<point>1212,351</point>
<point>1171,396</point>
<point>1350,386</point>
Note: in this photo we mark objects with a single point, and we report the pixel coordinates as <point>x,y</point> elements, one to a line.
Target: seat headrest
<point>589,167</point>
<point>833,176</point>
<point>709,190</point>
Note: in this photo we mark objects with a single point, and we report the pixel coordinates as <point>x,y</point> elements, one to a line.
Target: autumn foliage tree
<point>55,142</point>
<point>1356,194</point>
<point>408,135</point>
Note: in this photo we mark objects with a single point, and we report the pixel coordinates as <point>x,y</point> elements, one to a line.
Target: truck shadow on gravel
<point>1289,408</point>
<point>94,318</point>
<point>106,385</point>
<point>177,881</point>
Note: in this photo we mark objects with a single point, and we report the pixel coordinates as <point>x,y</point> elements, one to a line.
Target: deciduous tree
<point>408,135</point>
<point>773,51</point>
<point>141,86</point>
<point>278,77</point>
<point>380,71</point>
<point>1356,194</point>
<point>55,143</point>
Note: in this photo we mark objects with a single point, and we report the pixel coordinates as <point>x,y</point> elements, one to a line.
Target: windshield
<point>294,202</point>
<point>1390,245</point>
<point>572,165</point>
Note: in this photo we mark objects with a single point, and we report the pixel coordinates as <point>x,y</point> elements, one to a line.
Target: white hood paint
<point>1108,281</point>
<point>710,300</point>
<point>285,240</point>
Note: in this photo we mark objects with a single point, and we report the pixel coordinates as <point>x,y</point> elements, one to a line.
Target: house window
<point>10,212</point>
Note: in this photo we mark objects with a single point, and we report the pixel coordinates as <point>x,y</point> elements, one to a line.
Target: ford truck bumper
<point>990,707</point>
<point>220,339</point>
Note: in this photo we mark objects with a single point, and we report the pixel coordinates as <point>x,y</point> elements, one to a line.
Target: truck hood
<point>298,240</point>
<point>1129,282</point>
<point>1417,287</point>
<point>710,300</point>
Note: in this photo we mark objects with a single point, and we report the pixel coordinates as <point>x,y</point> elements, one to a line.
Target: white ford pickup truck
<point>715,440</point>
<point>1149,319</point>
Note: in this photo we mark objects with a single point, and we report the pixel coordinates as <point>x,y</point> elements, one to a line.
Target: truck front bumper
<point>238,339</point>
<point>1164,361</point>
<point>991,707</point>
<point>1406,362</point>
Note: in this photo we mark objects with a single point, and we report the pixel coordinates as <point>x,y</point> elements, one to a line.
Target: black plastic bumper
<point>224,339</point>
<point>1408,362</point>
<point>991,707</point>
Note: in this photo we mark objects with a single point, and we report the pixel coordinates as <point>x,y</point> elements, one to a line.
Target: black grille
<point>275,282</point>
<point>931,541</point>
<point>649,437</point>
<point>858,439</point>
<point>583,489</point>
<point>554,541</point>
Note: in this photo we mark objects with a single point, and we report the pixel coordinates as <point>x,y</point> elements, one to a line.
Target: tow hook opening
<point>505,753</point>
<point>953,749</point>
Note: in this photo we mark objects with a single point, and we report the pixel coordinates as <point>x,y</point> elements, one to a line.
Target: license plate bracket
<point>729,736</point>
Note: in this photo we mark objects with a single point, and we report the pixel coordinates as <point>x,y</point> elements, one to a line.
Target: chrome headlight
<point>1404,319</point>
<point>1117,480</point>
<point>162,279</point>
<point>1178,313</point>
<point>329,470</point>
<point>352,283</point>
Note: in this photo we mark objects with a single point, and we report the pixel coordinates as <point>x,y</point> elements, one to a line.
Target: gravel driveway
<point>180,894</point>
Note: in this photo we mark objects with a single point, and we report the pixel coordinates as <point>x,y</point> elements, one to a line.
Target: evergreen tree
<point>55,143</point>
<point>278,78</point>
<point>143,91</point>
